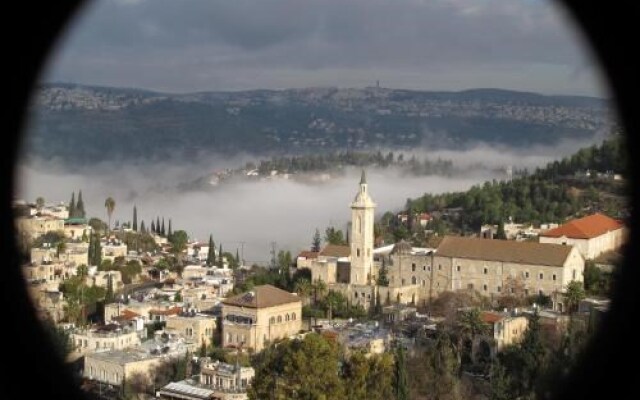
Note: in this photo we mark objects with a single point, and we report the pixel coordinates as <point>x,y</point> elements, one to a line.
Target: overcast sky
<point>201,45</point>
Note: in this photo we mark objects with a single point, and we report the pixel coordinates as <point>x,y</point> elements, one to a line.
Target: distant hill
<point>86,123</point>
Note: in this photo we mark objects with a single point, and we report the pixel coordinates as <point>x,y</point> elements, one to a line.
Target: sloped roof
<point>169,311</point>
<point>308,254</point>
<point>585,228</point>
<point>334,250</point>
<point>490,317</point>
<point>534,253</point>
<point>261,297</point>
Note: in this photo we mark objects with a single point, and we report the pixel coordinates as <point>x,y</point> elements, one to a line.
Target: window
<point>279,318</point>
<point>355,294</point>
<point>286,317</point>
<point>458,268</point>
<point>413,267</point>
<point>541,276</point>
<point>424,267</point>
<point>402,281</point>
<point>357,252</point>
<point>484,287</point>
<point>470,286</point>
<point>499,289</point>
<point>272,320</point>
<point>293,316</point>
<point>526,292</point>
<point>439,267</point>
<point>573,275</point>
<point>485,270</point>
<point>553,277</point>
<point>526,274</point>
<point>541,292</point>
<point>424,282</point>
<point>413,280</point>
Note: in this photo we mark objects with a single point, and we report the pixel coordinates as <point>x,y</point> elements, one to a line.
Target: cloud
<point>214,45</point>
<point>250,215</point>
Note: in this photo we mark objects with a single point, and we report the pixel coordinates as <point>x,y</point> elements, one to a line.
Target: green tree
<point>298,369</point>
<point>97,225</point>
<point>72,205</point>
<point>211,254</point>
<point>143,229</point>
<point>500,383</point>
<point>169,231</point>
<point>334,236</point>
<point>162,231</point>
<point>316,242</point>
<point>573,295</point>
<point>400,382</point>
<point>135,219</point>
<point>178,241</point>
<point>220,258</point>
<point>501,234</point>
<point>79,212</point>
<point>40,203</point>
<point>153,227</point>
<point>110,205</point>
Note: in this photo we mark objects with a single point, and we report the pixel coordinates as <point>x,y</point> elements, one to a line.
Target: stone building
<point>591,235</point>
<point>261,316</point>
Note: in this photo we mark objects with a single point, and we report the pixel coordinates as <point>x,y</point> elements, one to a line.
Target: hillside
<point>84,124</point>
<point>591,180</point>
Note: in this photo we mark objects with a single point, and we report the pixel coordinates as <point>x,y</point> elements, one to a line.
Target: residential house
<point>591,235</point>
<point>261,316</point>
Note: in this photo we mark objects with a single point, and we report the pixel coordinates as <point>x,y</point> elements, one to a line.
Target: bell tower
<point>362,210</point>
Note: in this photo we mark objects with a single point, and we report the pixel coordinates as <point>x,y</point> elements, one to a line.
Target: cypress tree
<point>142,227</point>
<point>153,227</point>
<point>169,230</point>
<point>220,255</point>
<point>79,211</point>
<point>211,254</point>
<point>158,231</point>
<point>401,385</point>
<point>135,219</point>
<point>162,231</point>
<point>237,258</point>
<point>501,234</point>
<point>72,205</point>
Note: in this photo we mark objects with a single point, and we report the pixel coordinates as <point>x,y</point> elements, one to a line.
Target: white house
<point>591,235</point>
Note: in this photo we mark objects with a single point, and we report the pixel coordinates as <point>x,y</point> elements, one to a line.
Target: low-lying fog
<point>250,215</point>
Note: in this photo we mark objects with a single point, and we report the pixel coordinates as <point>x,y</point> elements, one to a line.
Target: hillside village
<point>143,311</point>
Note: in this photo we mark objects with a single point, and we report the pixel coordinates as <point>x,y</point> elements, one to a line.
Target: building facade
<point>262,316</point>
<point>591,235</point>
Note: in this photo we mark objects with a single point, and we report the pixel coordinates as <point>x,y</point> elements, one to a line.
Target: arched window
<point>293,316</point>
<point>272,320</point>
<point>413,280</point>
<point>286,317</point>
<point>279,318</point>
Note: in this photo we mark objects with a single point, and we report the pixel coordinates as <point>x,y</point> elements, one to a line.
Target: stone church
<point>417,274</point>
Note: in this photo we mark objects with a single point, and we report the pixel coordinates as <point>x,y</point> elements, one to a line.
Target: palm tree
<point>110,205</point>
<point>468,326</point>
<point>573,295</point>
<point>319,287</point>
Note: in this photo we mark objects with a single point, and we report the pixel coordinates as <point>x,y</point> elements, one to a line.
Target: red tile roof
<point>170,311</point>
<point>490,318</point>
<point>585,228</point>
<point>128,314</point>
